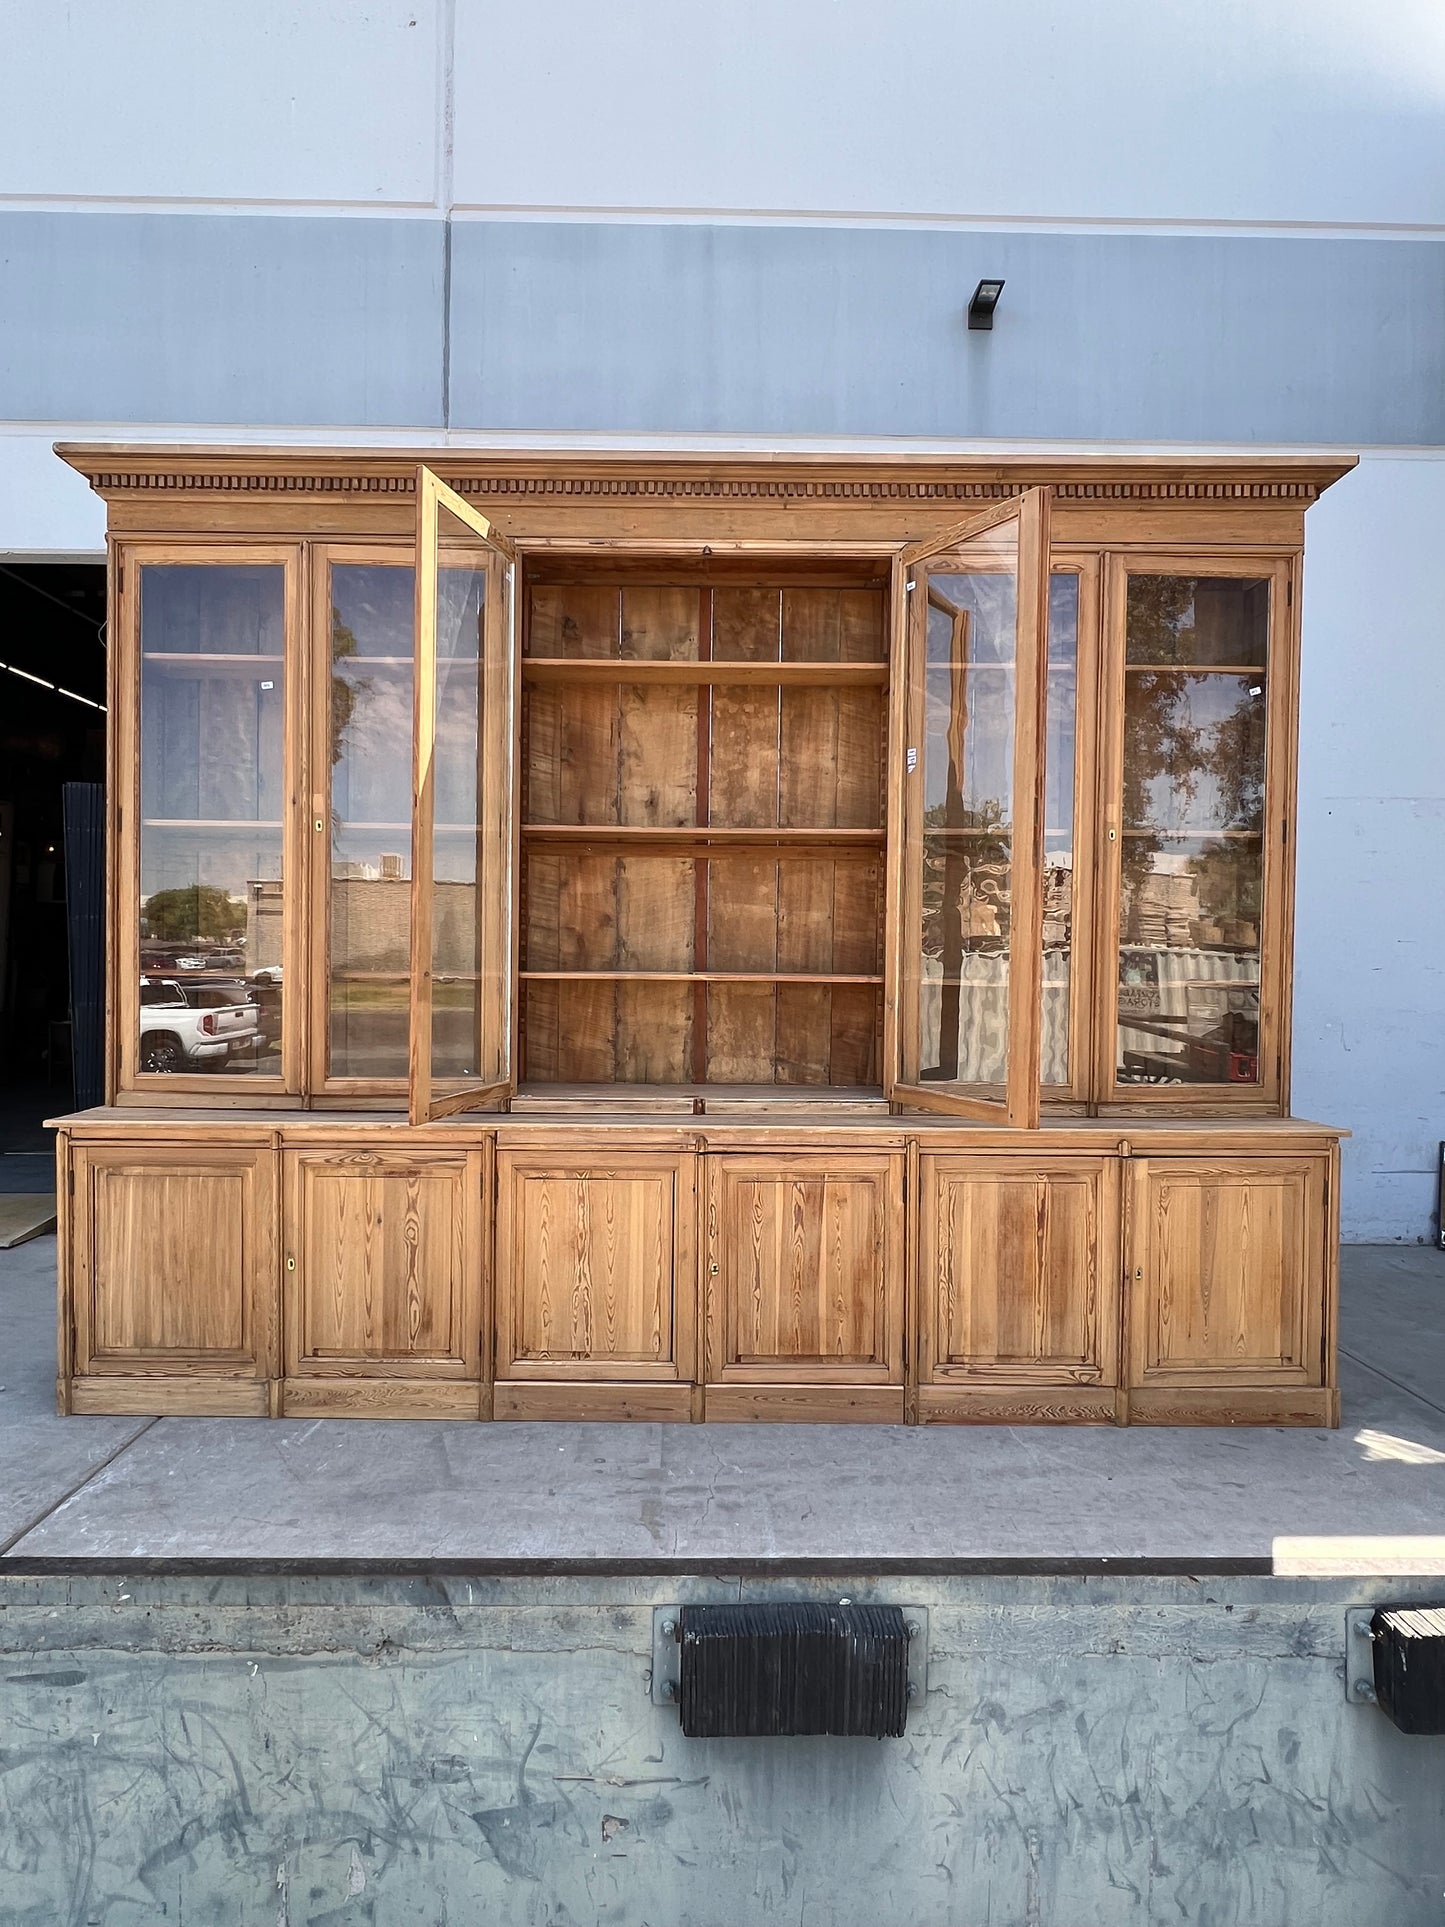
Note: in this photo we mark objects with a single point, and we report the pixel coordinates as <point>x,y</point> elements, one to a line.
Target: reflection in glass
<point>1058,878</point>
<point>212,796</point>
<point>1191,887</point>
<point>967,768</point>
<point>371,726</point>
<point>468,957</point>
<point>1195,621</point>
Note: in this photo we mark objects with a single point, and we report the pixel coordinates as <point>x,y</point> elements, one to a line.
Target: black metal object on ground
<point>759,1671</point>
<point>84,805</point>
<point>1410,1666</point>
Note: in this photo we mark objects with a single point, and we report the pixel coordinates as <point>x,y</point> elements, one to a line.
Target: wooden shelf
<point>210,823</point>
<point>634,835</point>
<point>1197,835</point>
<point>693,977</point>
<point>614,669</point>
<point>1194,669</point>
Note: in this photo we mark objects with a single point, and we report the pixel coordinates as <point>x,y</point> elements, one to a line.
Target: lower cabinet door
<point>173,1277</point>
<point>596,1267</point>
<point>804,1286</point>
<point>1018,1288</point>
<point>1228,1274</point>
<point>383,1279</point>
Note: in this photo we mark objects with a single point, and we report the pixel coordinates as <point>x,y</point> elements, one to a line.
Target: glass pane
<point>1197,621</point>
<point>212,789</point>
<point>1059,826</point>
<point>372,618</point>
<point>967,758</point>
<point>469,954</point>
<point>1195,715</point>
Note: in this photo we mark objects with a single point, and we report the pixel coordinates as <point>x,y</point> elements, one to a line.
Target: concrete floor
<point>660,1497</point>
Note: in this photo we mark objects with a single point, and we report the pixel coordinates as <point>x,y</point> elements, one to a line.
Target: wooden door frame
<point>495,736</point>
<point>1019,1105</point>
<point>1271,1095</point>
<point>128,1084</point>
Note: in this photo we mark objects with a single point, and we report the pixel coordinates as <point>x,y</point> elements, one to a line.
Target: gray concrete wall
<point>333,1752</point>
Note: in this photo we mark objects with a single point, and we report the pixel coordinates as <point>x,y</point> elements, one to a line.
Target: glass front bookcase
<point>340,831</point>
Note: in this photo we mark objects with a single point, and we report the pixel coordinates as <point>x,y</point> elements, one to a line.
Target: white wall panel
<point>1370,939</point>
<point>1239,110</point>
<point>47,511</point>
<point>332,100</point>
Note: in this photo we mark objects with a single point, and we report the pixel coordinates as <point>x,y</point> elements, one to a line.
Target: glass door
<point>975,686</point>
<point>1199,695</point>
<point>462,810</point>
<point>206,756</point>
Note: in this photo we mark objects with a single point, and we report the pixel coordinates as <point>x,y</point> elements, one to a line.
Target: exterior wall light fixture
<point>983,302</point>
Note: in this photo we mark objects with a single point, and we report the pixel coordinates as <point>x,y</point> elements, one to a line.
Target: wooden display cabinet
<point>680,937</point>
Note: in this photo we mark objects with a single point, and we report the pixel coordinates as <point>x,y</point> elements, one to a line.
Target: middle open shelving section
<point>702,834</point>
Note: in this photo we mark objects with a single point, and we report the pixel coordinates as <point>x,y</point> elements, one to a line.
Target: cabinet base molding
<point>380,1398</point>
<point>1017,1405</point>
<point>653,1404</point>
<point>1229,1405</point>
<point>101,1394</point>
<point>805,1404</point>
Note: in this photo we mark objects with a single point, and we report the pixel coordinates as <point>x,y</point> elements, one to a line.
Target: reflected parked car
<point>194,1026</point>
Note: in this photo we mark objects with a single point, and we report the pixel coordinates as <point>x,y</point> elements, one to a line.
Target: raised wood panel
<point>1019,1266</point>
<point>596,1268</point>
<point>174,1259</point>
<point>1227,1271</point>
<point>805,1269</point>
<point>384,1260</point>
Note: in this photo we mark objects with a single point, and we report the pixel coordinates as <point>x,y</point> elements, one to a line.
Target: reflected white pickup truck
<point>194,1026</point>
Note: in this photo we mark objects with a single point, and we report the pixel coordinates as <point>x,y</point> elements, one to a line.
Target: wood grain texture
<point>379,1398</point>
<point>173,1258</point>
<point>805,1269</point>
<point>804,1404</point>
<point>388,1263</point>
<point>1228,1272</point>
<point>1014,1405</point>
<point>1019,1267</point>
<point>646,1404</point>
<point>595,1268</point>
<point>1235,1405</point>
<point>162,1395</point>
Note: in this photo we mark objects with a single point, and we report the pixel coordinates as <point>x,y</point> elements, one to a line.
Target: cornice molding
<point>114,471</point>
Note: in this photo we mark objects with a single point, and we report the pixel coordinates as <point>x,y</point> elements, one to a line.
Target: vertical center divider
<point>700,865</point>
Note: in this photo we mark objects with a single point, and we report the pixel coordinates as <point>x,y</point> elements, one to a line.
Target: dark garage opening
<point>52,733</point>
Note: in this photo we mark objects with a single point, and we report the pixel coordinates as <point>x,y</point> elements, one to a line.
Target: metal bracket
<point>1360,1656</point>
<point>662,1679</point>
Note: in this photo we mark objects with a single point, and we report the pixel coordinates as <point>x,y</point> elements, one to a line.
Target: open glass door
<point>971,950</point>
<point>461,883</point>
